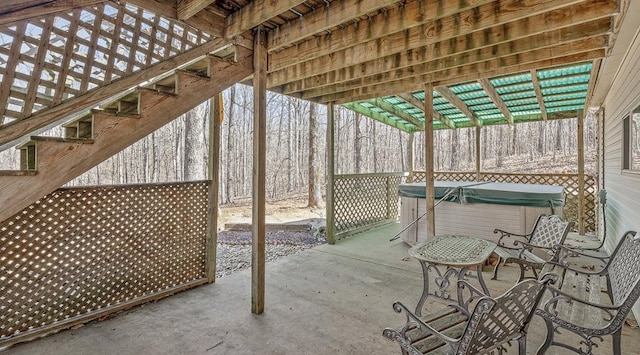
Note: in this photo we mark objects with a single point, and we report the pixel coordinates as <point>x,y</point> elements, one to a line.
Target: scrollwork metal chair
<point>493,322</point>
<point>534,249</point>
<point>575,303</point>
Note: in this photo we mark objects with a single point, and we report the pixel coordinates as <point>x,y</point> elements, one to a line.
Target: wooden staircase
<point>46,163</point>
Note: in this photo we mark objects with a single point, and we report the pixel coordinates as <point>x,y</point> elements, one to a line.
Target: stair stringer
<point>61,162</point>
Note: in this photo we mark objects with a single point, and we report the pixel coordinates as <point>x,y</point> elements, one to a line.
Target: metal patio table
<point>458,254</point>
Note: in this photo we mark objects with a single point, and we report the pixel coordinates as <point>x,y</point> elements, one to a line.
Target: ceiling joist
<point>187,8</point>
<point>381,103</point>
<point>539,97</point>
<point>255,13</point>
<point>453,99</point>
<point>496,99</point>
<point>419,104</point>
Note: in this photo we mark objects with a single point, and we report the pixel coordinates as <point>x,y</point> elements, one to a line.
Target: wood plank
<point>322,19</point>
<point>539,97</point>
<point>394,37</point>
<point>216,115</point>
<point>595,70</point>
<point>18,10</point>
<point>478,160</point>
<point>331,166</point>
<point>259,173</point>
<point>457,51</point>
<point>10,71</point>
<point>453,99</point>
<point>497,100</point>
<point>413,101</point>
<point>67,55</point>
<point>410,147</point>
<point>15,131</point>
<point>460,74</point>
<point>255,13</point>
<point>188,8</point>
<point>59,163</point>
<point>581,198</point>
<point>429,158</point>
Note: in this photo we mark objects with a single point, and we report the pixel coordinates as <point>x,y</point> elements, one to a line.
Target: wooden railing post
<point>215,119</point>
<point>581,204</point>
<point>330,228</point>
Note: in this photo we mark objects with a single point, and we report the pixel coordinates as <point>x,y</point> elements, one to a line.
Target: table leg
<point>481,280</point>
<point>425,288</point>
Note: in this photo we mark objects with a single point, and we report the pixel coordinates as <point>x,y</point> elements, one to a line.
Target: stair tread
<point>61,139</point>
<point>17,172</point>
<point>159,92</point>
<point>115,113</point>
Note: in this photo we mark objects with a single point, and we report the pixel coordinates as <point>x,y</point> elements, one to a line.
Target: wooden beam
<point>390,37</point>
<point>410,154</point>
<point>188,8</point>
<point>216,114</point>
<point>354,106</point>
<point>259,173</point>
<point>497,100</point>
<point>457,75</point>
<point>413,101</point>
<point>593,78</point>
<point>428,59</point>
<point>18,10</point>
<point>458,103</point>
<point>12,133</point>
<point>255,13</point>
<point>478,159</point>
<point>322,19</point>
<point>330,208</point>
<point>581,199</point>
<point>429,158</point>
<point>380,103</point>
<point>539,97</point>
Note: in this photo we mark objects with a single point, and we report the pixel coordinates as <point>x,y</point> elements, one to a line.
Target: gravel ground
<point>234,247</point>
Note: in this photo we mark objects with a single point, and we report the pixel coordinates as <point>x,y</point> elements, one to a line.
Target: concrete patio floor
<point>332,299</point>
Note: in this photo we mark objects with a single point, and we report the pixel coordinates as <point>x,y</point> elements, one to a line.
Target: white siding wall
<point>623,189</point>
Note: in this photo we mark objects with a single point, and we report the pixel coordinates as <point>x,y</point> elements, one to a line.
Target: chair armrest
<point>562,252</point>
<point>505,234</point>
<point>530,247</point>
<point>412,319</point>
<point>569,268</point>
<point>550,309</point>
<point>474,294</point>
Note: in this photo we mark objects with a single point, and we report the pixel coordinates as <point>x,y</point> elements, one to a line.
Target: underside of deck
<point>328,300</point>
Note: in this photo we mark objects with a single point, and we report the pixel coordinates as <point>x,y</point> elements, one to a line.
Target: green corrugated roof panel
<point>525,101</point>
<point>563,89</point>
<point>510,80</point>
<point>508,89</point>
<point>479,101</point>
<point>564,71</point>
<point>463,88</point>
<point>571,80</point>
<point>518,96</point>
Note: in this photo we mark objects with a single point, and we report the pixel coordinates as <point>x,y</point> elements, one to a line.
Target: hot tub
<point>477,208</point>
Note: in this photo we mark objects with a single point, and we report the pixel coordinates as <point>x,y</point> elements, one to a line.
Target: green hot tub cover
<point>441,188</point>
<point>491,193</point>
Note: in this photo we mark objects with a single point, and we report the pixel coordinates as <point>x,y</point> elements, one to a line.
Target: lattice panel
<point>568,181</point>
<point>50,59</point>
<point>78,251</point>
<point>361,200</point>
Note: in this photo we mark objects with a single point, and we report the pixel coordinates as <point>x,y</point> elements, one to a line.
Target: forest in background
<point>179,150</point>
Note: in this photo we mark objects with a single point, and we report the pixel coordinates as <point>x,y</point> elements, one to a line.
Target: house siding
<point>623,188</point>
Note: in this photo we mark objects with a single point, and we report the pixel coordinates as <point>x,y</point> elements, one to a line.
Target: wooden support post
<point>259,172</point>
<point>330,229</point>
<point>429,158</point>
<point>215,120</point>
<point>581,201</point>
<point>478,161</point>
<point>410,156</point>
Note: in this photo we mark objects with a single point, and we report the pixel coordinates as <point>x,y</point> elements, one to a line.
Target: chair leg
<point>617,337</point>
<point>522,345</point>
<point>495,269</point>
<point>547,343</point>
<point>522,270</point>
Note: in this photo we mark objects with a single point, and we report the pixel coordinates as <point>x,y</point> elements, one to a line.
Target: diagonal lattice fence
<point>364,200</point>
<point>79,253</point>
<point>568,181</point>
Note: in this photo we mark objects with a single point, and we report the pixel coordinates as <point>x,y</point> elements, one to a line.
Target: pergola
<point>111,72</point>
